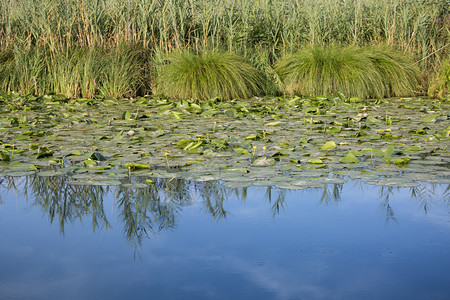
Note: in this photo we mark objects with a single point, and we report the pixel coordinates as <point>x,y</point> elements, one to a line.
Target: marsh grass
<point>400,75</point>
<point>208,75</point>
<point>74,72</point>
<point>373,72</point>
<point>259,30</point>
<point>440,85</point>
<point>326,70</point>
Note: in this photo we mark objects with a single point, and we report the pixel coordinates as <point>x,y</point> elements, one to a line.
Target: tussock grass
<point>326,70</point>
<point>363,72</point>
<point>400,75</point>
<point>208,75</point>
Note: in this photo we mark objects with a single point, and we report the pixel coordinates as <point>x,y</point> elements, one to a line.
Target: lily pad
<point>264,162</point>
<point>349,159</point>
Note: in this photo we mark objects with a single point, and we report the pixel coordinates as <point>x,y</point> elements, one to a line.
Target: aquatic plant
<point>204,76</point>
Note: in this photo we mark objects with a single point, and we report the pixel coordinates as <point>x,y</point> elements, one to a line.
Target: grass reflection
<point>146,210</point>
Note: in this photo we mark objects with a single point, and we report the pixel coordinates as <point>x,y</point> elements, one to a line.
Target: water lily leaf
<point>88,163</point>
<point>401,161</point>
<point>137,166</point>
<point>328,146</point>
<point>394,182</point>
<point>4,156</point>
<point>431,118</point>
<point>44,152</point>
<point>279,154</point>
<point>387,152</point>
<point>273,123</point>
<point>50,173</point>
<point>315,161</point>
<point>97,156</point>
<point>413,149</point>
<point>264,162</point>
<point>126,115</point>
<point>349,159</point>
<point>253,137</point>
<point>192,146</point>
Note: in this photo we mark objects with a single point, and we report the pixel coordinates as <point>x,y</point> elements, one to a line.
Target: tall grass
<point>260,30</point>
<point>440,85</point>
<point>208,75</point>
<point>74,72</point>
<point>364,72</point>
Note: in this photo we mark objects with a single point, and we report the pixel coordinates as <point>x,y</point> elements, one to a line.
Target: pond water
<point>179,239</point>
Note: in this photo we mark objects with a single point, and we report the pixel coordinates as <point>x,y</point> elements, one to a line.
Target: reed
<point>260,30</point>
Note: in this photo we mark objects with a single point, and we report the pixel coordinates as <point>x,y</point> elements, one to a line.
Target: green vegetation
<point>371,72</point>
<point>72,47</point>
<point>208,75</point>
<point>440,86</point>
<point>75,72</point>
<point>272,141</point>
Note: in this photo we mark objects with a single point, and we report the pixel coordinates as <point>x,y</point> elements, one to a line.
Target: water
<point>184,240</point>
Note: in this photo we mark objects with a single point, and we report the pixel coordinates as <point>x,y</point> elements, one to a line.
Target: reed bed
<point>261,31</point>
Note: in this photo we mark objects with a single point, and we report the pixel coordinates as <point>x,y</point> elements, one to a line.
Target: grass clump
<point>363,72</point>
<point>440,85</point>
<point>401,76</point>
<point>327,70</point>
<point>204,76</point>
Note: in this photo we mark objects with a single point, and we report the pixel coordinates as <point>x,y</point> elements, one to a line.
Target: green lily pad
<point>328,146</point>
<point>349,159</point>
<point>264,162</point>
<point>315,161</point>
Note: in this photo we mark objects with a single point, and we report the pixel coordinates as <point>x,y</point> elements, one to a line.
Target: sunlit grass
<point>400,75</point>
<point>326,70</point>
<point>363,72</point>
<point>208,75</point>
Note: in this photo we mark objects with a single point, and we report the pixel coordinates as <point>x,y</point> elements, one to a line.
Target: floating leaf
<point>315,161</point>
<point>264,162</point>
<point>431,118</point>
<point>276,123</point>
<point>44,152</point>
<point>97,156</point>
<point>328,146</point>
<point>349,159</point>
<point>136,166</point>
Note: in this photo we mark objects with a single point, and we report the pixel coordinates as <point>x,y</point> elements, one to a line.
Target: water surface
<point>191,240</point>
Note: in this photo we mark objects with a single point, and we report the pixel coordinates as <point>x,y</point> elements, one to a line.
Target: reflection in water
<point>331,194</point>
<point>147,211</point>
<point>386,192</point>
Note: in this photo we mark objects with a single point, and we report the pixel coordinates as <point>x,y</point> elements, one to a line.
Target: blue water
<point>365,242</point>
